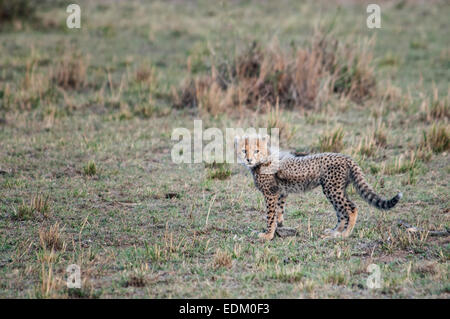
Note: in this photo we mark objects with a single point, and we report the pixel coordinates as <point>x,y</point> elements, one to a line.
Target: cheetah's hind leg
<point>337,230</point>
<point>346,213</point>
<point>346,222</point>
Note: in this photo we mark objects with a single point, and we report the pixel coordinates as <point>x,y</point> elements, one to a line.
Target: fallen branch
<point>414,229</point>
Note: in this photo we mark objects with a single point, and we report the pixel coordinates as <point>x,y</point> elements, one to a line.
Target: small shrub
<point>24,212</point>
<point>145,110</point>
<point>436,108</point>
<point>337,278</point>
<point>401,166</point>
<point>136,278</point>
<point>397,239</point>
<point>290,275</point>
<point>185,96</point>
<point>11,10</point>
<point>427,269</point>
<point>51,238</point>
<point>32,91</point>
<point>374,169</point>
<point>437,138</point>
<point>219,171</point>
<point>70,71</point>
<point>332,141</point>
<point>307,285</point>
<point>146,76</point>
<point>354,75</point>
<point>223,259</point>
<point>266,258</point>
<point>38,204</point>
<point>367,146</point>
<point>440,110</point>
<point>380,135</point>
<point>424,153</point>
<point>303,79</point>
<point>90,169</point>
<point>411,179</point>
<point>41,204</point>
<point>274,120</point>
<point>206,94</point>
<point>50,285</point>
<point>389,60</point>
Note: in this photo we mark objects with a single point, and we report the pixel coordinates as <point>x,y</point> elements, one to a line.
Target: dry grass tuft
<point>397,239</point>
<point>50,285</point>
<point>354,75</point>
<point>219,171</point>
<point>222,258</point>
<point>288,274</point>
<point>274,120</point>
<point>137,278</point>
<point>380,135</point>
<point>375,138</point>
<point>145,74</point>
<point>337,278</point>
<point>367,146</point>
<point>303,79</point>
<point>70,71</point>
<point>400,165</point>
<point>332,141</point>
<point>41,204</point>
<point>435,108</point>
<point>24,212</point>
<point>32,89</point>
<point>437,138</point>
<point>90,169</point>
<point>206,94</point>
<point>427,268</point>
<point>51,238</point>
<point>38,204</point>
<point>424,152</point>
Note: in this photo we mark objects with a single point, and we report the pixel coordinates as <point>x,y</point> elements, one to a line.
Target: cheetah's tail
<point>367,193</point>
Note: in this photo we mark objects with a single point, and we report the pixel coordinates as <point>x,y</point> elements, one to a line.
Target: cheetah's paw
<point>331,233</point>
<point>265,236</point>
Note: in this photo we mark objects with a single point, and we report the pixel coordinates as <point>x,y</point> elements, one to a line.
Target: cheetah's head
<point>252,150</point>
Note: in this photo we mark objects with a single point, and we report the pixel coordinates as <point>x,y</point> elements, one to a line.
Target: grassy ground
<point>86,175</point>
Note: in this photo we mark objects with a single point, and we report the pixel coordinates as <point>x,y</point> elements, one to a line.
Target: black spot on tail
<point>388,204</point>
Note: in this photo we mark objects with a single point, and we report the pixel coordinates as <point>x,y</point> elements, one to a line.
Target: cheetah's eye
<point>244,151</point>
<point>256,151</point>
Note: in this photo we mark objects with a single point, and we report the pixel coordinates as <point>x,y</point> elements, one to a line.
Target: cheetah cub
<point>278,173</point>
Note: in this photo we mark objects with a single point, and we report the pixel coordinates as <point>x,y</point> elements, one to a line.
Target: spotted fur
<point>276,174</point>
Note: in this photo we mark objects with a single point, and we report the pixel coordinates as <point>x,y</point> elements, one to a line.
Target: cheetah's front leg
<point>271,202</point>
<point>280,209</point>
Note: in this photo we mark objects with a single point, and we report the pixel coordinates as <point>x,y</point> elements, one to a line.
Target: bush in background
<point>304,78</point>
<point>11,10</point>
